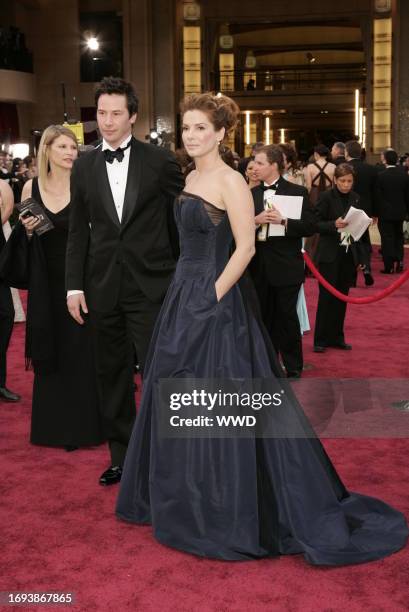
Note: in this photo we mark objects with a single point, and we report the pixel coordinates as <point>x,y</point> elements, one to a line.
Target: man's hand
<point>75,304</point>
<point>275,217</point>
<point>340,223</point>
<point>268,216</point>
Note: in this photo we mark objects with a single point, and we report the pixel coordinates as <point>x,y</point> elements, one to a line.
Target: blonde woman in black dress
<point>65,403</point>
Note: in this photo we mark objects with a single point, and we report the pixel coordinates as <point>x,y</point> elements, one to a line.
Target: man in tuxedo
<point>6,301</point>
<point>338,153</point>
<point>278,266</point>
<point>392,204</point>
<point>364,186</point>
<point>120,254</point>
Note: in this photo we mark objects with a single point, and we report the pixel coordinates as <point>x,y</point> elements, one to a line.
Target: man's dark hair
<point>114,85</point>
<point>256,147</point>
<point>391,157</point>
<point>274,155</point>
<point>354,149</point>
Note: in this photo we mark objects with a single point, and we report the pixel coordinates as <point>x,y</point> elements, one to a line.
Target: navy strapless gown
<point>236,498</point>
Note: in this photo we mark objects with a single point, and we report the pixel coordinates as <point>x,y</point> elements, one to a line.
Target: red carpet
<point>58,531</point>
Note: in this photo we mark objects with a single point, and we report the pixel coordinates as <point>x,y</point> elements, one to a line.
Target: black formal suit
<point>364,186</point>
<point>278,272</point>
<point>392,204</point>
<point>124,268</point>
<point>6,320</point>
<point>339,160</point>
<point>335,263</point>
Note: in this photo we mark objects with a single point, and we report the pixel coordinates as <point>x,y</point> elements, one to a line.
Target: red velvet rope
<point>354,300</point>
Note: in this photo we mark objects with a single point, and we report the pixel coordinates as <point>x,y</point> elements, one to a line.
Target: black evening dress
<point>236,498</point>
<point>65,403</point>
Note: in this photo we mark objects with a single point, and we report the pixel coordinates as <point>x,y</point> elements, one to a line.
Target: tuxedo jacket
<point>329,207</point>
<point>100,245</point>
<point>392,194</point>
<point>279,260</point>
<point>364,184</point>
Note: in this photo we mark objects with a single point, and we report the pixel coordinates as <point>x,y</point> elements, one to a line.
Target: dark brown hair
<point>227,156</point>
<point>289,152</point>
<point>274,155</point>
<point>353,148</point>
<point>114,85</point>
<point>321,150</point>
<point>222,111</point>
<point>391,157</point>
<point>344,170</point>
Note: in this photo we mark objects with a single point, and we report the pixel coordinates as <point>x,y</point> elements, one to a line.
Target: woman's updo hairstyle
<point>221,110</point>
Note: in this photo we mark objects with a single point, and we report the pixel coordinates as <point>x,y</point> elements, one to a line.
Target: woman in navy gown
<point>234,498</point>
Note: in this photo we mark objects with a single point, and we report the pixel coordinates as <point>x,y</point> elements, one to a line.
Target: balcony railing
<point>258,82</point>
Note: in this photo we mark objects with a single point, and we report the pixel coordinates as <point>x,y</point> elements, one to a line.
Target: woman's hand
<point>30,223</point>
<point>340,223</point>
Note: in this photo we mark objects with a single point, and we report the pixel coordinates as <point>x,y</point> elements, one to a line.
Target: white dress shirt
<point>118,174</point>
<point>117,177</point>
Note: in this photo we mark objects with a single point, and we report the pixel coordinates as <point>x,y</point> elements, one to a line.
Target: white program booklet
<point>358,222</point>
<point>289,207</point>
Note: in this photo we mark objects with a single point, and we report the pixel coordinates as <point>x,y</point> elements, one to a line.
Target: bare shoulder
<point>5,189</point>
<point>230,178</point>
<point>27,189</point>
<point>235,191</point>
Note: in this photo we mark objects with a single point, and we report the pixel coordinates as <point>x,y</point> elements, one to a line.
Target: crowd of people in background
<point>334,180</point>
<point>329,182</point>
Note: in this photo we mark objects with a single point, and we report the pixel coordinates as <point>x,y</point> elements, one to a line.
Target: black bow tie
<point>273,186</point>
<point>117,154</point>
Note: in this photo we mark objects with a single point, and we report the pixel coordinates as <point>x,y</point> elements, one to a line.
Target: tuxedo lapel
<point>258,197</point>
<point>103,186</point>
<point>133,182</point>
<point>282,186</point>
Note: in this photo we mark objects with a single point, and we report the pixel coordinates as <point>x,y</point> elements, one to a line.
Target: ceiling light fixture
<point>93,43</point>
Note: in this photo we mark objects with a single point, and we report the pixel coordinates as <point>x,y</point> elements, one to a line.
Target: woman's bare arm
<point>6,201</point>
<point>239,205</point>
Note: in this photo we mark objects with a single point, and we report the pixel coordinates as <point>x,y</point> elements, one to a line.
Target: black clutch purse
<point>31,208</point>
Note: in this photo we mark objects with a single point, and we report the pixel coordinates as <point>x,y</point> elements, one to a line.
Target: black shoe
<point>399,266</point>
<point>343,346</point>
<point>389,271</point>
<point>319,349</point>
<point>111,476</point>
<point>70,447</point>
<point>368,279</point>
<point>8,396</point>
<point>295,374</point>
